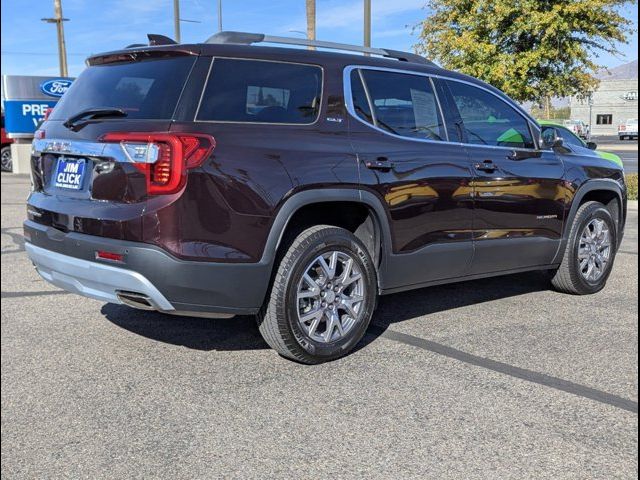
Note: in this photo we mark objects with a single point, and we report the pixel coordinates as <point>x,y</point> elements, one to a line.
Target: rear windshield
<point>148,89</point>
<point>261,92</point>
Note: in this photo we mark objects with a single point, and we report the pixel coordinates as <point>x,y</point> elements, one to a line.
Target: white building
<point>614,102</point>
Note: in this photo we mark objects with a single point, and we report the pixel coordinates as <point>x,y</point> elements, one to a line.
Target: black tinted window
<point>404,104</point>
<point>259,91</point>
<point>488,120</point>
<point>147,89</point>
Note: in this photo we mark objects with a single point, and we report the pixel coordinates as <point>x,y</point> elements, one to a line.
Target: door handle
<point>380,163</point>
<point>486,166</point>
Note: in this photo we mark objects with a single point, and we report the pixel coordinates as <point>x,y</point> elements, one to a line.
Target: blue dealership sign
<point>27,99</point>
<point>24,116</point>
<point>55,87</point>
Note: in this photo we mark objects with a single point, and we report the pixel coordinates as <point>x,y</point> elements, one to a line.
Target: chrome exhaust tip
<point>136,300</point>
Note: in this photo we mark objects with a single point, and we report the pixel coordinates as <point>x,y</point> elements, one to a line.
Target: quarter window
<point>257,91</point>
<point>401,104</point>
<point>549,134</point>
<point>488,120</point>
<point>569,138</point>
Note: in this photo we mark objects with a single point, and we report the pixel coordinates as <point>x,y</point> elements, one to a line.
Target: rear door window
<point>402,104</point>
<point>147,89</point>
<point>488,120</point>
<point>255,91</point>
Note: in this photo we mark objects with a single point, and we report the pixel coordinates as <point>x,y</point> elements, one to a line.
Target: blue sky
<point>29,45</point>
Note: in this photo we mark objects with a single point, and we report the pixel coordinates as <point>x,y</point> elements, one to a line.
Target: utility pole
<point>367,23</point>
<point>176,20</point>
<point>219,15</point>
<point>62,47</point>
<point>311,21</point>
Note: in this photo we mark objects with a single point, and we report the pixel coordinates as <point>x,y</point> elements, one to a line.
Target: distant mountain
<point>627,71</point>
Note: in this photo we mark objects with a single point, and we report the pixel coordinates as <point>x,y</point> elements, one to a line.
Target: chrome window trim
<point>346,82</point>
<point>204,87</point>
<point>367,94</point>
<point>442,117</point>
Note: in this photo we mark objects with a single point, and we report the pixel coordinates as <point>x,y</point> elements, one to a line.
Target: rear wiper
<point>73,122</point>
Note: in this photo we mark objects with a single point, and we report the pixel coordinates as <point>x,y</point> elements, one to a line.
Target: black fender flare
<point>325,195</point>
<point>587,187</point>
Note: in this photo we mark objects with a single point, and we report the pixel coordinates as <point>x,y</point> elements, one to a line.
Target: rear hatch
<point>106,154</point>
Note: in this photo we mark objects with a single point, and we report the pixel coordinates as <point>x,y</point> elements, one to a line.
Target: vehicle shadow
<point>425,301</point>
<point>241,333</point>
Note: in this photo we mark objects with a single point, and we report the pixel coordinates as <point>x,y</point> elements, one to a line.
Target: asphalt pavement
<point>500,378</point>
<point>625,149</point>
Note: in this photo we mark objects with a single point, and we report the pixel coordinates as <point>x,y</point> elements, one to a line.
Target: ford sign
<point>55,87</point>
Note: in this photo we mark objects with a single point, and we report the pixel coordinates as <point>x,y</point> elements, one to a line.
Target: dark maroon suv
<point>297,185</point>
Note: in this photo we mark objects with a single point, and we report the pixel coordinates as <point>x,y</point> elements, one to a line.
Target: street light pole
<point>62,47</point>
<point>219,15</point>
<point>176,20</point>
<point>367,23</point>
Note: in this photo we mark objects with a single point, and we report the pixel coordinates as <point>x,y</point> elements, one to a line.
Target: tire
<point>7,163</point>
<point>280,320</point>
<point>571,275</point>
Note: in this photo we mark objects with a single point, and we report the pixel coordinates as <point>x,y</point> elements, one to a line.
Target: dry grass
<point>632,186</point>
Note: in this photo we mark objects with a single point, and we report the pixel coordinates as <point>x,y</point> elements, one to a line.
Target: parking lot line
<point>511,370</point>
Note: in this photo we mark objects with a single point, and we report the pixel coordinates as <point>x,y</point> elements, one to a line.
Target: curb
<point>632,205</point>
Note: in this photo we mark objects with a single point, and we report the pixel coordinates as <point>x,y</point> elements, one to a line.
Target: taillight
<point>47,113</point>
<point>164,158</point>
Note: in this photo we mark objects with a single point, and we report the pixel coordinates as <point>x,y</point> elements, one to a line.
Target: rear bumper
<point>68,261</point>
<point>92,279</point>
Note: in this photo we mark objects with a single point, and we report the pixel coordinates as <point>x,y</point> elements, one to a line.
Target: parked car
<point>578,127</point>
<point>574,144</point>
<point>629,129</point>
<point>5,154</point>
<point>227,178</point>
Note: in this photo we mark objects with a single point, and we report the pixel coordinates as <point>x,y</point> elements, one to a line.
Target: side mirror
<point>554,143</point>
<point>592,145</point>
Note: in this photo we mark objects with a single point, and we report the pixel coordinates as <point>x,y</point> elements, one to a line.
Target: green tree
<point>531,49</point>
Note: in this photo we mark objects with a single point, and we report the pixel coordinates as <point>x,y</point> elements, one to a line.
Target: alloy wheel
<point>330,296</point>
<point>7,164</point>
<point>594,250</point>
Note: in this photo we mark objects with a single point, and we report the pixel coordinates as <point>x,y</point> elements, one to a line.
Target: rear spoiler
<point>154,39</point>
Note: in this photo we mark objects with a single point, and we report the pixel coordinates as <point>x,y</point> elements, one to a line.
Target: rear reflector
<point>164,158</point>
<point>112,256</point>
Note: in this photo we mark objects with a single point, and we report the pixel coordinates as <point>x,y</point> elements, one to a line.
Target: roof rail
<point>244,38</point>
